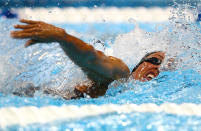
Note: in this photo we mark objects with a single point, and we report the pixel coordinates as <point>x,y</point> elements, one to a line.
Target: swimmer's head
<point>148,67</point>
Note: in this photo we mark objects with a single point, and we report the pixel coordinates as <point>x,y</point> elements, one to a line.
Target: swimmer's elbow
<point>125,72</point>
<point>90,53</point>
<point>121,70</point>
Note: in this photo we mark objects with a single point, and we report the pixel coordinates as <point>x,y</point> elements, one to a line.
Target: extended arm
<point>95,63</point>
<point>99,67</point>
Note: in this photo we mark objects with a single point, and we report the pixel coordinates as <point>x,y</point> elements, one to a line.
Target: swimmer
<point>98,67</point>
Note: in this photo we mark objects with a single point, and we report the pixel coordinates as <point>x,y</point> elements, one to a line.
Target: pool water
<point>122,121</point>
<point>46,65</point>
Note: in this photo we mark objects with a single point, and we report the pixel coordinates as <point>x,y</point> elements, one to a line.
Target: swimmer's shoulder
<point>121,68</point>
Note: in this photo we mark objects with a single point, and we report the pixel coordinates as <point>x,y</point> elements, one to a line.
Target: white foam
<point>83,14</point>
<point>29,115</point>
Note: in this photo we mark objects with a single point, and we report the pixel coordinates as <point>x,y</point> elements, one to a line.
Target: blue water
<point>32,64</point>
<point>90,3</point>
<point>173,87</point>
<point>122,122</point>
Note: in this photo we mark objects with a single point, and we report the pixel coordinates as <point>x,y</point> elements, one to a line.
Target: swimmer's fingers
<point>22,35</point>
<point>31,30</point>
<point>30,42</point>
<point>29,21</point>
<point>24,26</point>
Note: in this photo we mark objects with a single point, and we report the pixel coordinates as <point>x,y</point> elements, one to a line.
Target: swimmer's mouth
<point>150,76</point>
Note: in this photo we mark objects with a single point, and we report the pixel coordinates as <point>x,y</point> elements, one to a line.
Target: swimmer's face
<point>149,68</point>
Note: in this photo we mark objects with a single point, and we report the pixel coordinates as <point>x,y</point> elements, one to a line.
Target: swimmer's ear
<point>30,42</point>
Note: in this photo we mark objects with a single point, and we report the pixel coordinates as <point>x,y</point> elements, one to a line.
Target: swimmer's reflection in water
<point>98,67</point>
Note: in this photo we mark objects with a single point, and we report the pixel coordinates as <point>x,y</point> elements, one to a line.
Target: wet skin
<point>98,67</point>
<point>147,71</point>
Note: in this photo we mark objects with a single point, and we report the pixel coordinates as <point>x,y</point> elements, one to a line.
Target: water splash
<point>180,39</point>
<point>47,66</point>
<point>41,64</point>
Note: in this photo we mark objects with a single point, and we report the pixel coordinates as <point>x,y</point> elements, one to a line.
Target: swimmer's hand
<point>38,32</point>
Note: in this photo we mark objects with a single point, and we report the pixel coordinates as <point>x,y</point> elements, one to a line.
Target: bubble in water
<point>103,20</point>
<point>180,39</point>
<point>131,20</point>
<point>6,3</point>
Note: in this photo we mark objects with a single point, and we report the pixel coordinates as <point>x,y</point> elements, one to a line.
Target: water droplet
<point>103,20</point>
<point>131,20</point>
<point>6,3</point>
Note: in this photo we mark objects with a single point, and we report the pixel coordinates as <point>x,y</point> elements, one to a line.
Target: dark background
<point>91,3</point>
